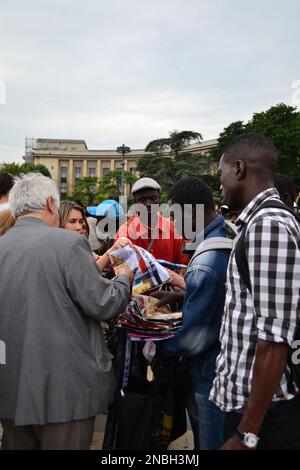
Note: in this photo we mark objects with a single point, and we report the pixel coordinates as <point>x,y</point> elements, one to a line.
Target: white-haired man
<point>58,375</point>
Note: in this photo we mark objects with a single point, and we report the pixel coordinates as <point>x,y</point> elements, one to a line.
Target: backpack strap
<point>217,243</point>
<point>240,248</point>
<point>213,243</point>
<point>230,229</point>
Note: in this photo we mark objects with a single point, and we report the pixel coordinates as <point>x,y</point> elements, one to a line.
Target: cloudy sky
<point>129,71</point>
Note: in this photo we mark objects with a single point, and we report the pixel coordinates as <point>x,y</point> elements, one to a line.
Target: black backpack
<point>243,269</point>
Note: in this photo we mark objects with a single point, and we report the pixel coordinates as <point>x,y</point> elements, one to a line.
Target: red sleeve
<point>123,232</point>
<point>179,257</point>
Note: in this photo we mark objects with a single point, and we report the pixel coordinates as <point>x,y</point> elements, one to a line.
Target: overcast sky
<point>129,71</point>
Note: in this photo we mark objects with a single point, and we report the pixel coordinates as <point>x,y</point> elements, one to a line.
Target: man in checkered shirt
<point>252,373</point>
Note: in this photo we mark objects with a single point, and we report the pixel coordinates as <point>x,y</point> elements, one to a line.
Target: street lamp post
<point>123,150</point>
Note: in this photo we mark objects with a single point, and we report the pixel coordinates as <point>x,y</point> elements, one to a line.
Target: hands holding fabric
<point>104,260</point>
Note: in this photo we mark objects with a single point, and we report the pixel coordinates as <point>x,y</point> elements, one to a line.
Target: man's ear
<point>50,205</point>
<point>240,169</point>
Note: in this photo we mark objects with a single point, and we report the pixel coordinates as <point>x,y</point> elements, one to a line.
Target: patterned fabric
<point>149,273</point>
<point>272,245</point>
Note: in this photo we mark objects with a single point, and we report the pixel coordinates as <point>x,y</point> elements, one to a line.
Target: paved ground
<point>185,442</point>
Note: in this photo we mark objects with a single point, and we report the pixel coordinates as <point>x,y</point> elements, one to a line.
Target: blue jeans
<point>191,408</point>
<point>211,420</point>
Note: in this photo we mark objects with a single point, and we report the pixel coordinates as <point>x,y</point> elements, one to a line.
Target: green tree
<point>12,168</point>
<point>213,181</point>
<point>168,170</point>
<point>111,184</point>
<point>165,161</point>
<point>229,133</point>
<point>85,190</point>
<point>178,141</point>
<point>91,190</point>
<point>160,168</point>
<point>158,146</point>
<point>281,123</point>
<point>175,143</point>
<point>23,168</point>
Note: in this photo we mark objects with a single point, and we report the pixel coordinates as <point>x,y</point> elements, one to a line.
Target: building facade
<point>69,160</point>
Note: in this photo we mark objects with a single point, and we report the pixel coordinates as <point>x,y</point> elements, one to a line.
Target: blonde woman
<point>72,217</point>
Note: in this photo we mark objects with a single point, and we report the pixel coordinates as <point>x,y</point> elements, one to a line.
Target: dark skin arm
<point>269,366</point>
<point>170,298</point>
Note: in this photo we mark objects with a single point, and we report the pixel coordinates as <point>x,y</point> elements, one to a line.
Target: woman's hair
<point>7,220</point>
<point>64,212</point>
<point>6,183</point>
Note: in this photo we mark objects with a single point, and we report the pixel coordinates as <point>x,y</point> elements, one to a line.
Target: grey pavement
<point>184,442</point>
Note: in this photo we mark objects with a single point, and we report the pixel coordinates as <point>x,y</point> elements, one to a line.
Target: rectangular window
<point>63,171</point>
<point>132,170</point>
<point>105,171</point>
<point>92,171</point>
<point>63,187</point>
<point>78,172</point>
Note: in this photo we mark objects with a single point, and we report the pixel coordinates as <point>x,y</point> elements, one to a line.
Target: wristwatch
<point>249,440</point>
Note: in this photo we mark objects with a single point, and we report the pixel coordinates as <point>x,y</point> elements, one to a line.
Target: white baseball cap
<point>145,183</point>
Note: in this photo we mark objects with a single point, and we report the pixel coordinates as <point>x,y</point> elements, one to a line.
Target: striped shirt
<point>272,244</point>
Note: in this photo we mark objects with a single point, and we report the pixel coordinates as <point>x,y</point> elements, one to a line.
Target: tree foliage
<point>213,181</point>
<point>158,146</point>
<point>84,190</point>
<point>165,161</point>
<point>111,184</point>
<point>91,190</point>
<point>175,143</point>
<point>168,170</point>
<point>281,123</point>
<point>178,141</point>
<point>16,169</point>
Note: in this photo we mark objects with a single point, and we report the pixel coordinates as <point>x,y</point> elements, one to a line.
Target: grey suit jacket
<point>52,297</point>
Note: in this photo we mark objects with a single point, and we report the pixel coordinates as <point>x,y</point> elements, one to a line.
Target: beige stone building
<point>69,160</point>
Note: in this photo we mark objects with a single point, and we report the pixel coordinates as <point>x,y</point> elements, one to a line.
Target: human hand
<point>124,270</point>
<point>177,280</point>
<point>165,297</point>
<point>120,243</point>
<point>234,443</point>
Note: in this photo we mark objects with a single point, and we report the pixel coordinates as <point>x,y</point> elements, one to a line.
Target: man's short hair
<point>192,190</point>
<point>253,147</point>
<point>30,194</point>
<point>284,184</point>
<point>6,183</point>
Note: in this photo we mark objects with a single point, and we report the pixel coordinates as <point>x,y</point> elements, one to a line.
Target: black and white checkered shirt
<point>272,245</point>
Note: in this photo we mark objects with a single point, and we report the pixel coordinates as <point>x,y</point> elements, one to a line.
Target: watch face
<point>250,441</point>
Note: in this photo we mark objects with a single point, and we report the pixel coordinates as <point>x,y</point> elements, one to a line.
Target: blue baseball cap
<point>108,208</point>
<point>91,210</point>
